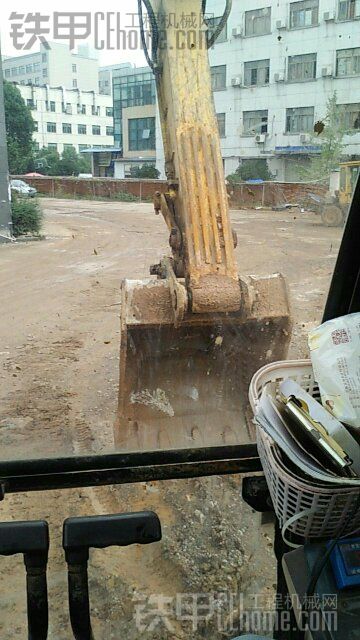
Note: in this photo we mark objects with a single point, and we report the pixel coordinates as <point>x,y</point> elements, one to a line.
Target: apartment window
<point>14,71</point>
<point>218,77</point>
<point>96,130</point>
<point>74,84</point>
<point>109,112</point>
<point>37,80</point>
<point>23,82</point>
<point>29,68</point>
<point>82,147</point>
<point>69,146</point>
<point>349,9</point>
<point>44,72</point>
<point>221,124</point>
<point>109,131</point>
<point>258,22</point>
<point>36,146</point>
<point>36,125</point>
<point>299,119</point>
<point>302,67</point>
<point>81,108</point>
<point>74,68</point>
<point>213,24</point>
<point>43,57</point>
<point>141,134</point>
<point>30,103</point>
<point>36,66</point>
<point>7,73</point>
<point>66,127</point>
<point>21,71</point>
<point>51,127</point>
<point>52,106</point>
<point>350,115</point>
<point>348,62</point>
<point>52,145</point>
<point>256,73</point>
<point>66,108</point>
<point>95,111</point>
<point>304,13</point>
<point>255,122</point>
<point>82,129</point>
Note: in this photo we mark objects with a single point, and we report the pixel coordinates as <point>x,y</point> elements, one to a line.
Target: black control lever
<point>32,540</point>
<point>79,534</point>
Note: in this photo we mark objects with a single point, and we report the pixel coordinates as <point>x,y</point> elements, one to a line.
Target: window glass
<point>51,127</point>
<point>256,72</point>
<point>302,67</point>
<point>82,129</point>
<point>212,24</point>
<point>218,77</point>
<point>299,119</point>
<point>258,22</point>
<point>221,124</point>
<point>349,9</point>
<point>304,13</point>
<point>255,122</point>
<point>141,134</point>
<point>348,62</point>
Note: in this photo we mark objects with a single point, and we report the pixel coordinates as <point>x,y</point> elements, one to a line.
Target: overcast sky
<point>125,8</point>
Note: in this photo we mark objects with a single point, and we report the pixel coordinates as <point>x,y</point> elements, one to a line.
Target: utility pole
<point>5,206</point>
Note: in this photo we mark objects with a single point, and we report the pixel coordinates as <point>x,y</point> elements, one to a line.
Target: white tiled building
<point>63,117</point>
<point>273,70</point>
<point>57,66</point>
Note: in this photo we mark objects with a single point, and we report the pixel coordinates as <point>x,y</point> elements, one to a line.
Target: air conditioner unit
<point>280,24</point>
<point>329,15</point>
<point>304,138</point>
<point>279,77</point>
<point>326,71</point>
<point>237,32</point>
<point>236,82</point>
<point>260,138</point>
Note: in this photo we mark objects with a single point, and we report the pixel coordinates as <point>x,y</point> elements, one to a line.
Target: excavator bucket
<point>187,385</point>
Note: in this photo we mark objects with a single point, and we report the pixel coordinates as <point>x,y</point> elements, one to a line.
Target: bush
<point>253,169</point>
<point>145,171</point>
<point>123,196</point>
<point>26,216</point>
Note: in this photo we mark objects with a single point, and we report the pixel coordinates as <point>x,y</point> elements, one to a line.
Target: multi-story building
<point>56,66</point>
<point>106,75</point>
<point>134,98</point>
<point>273,69</point>
<point>70,117</point>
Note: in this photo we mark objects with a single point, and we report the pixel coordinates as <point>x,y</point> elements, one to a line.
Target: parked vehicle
<point>22,188</point>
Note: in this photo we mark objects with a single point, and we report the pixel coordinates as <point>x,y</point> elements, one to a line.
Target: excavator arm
<point>196,207</point>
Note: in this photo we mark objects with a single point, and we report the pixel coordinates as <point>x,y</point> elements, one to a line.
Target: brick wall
<point>244,195</point>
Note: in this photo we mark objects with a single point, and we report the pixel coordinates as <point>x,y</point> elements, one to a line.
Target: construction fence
<point>241,196</point>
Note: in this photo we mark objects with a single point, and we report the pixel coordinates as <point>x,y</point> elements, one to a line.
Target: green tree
<point>328,135</point>
<point>49,162</point>
<point>46,161</point>
<point>19,129</point>
<point>145,171</point>
<point>253,169</point>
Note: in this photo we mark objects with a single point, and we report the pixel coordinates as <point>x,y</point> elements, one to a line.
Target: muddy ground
<point>59,328</point>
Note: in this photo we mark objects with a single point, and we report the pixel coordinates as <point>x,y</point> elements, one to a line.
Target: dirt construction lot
<point>59,344</point>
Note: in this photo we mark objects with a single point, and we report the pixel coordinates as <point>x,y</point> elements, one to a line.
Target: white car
<point>22,188</point>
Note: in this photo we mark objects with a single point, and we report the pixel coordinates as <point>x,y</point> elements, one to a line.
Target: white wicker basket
<point>308,510</point>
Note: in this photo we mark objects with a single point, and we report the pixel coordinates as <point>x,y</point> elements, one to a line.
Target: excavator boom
<point>192,336</point>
